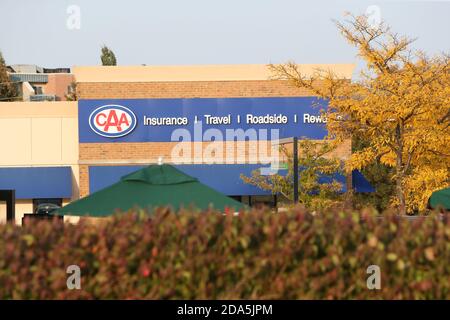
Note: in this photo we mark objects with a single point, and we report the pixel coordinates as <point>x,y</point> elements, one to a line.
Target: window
<point>237,198</point>
<point>38,90</point>
<point>260,201</point>
<point>257,201</point>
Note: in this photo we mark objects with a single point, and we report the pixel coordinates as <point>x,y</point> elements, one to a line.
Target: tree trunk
<point>399,171</point>
<point>400,195</point>
<point>348,196</point>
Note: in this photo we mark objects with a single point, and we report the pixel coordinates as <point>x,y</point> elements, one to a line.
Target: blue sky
<point>176,32</point>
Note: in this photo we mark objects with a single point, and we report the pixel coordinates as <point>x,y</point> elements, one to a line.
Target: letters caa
<point>112,121</point>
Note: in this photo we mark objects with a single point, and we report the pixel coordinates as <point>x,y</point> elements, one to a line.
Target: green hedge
<point>256,255</point>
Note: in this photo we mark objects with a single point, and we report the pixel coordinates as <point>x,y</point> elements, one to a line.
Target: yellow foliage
<point>421,184</point>
<point>400,106</point>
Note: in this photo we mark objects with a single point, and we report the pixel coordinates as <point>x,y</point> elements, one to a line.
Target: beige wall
<point>40,134</point>
<point>247,72</point>
<point>22,206</point>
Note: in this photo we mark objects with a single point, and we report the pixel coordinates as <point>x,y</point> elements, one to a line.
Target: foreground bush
<point>256,255</point>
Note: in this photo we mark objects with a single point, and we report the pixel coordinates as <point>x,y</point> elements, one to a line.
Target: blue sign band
<point>154,120</point>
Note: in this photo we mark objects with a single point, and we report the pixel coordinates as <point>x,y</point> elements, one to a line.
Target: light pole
<point>295,151</point>
<point>294,141</point>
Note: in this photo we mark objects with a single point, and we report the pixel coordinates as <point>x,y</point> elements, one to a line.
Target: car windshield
<point>46,207</point>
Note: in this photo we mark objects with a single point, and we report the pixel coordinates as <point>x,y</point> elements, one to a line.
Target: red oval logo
<point>112,121</point>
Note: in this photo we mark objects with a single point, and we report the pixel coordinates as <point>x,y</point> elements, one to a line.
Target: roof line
<point>186,73</point>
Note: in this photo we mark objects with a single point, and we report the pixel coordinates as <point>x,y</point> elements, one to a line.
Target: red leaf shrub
<point>256,255</point>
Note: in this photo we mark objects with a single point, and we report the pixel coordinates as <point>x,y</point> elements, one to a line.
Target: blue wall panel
<point>223,178</point>
<point>37,182</point>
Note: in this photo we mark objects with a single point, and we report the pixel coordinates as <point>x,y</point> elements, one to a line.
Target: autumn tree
<point>108,57</point>
<point>318,189</point>
<point>399,105</point>
<point>380,176</point>
<point>7,89</point>
<point>71,95</point>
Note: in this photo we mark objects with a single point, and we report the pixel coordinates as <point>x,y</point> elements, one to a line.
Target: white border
<point>113,105</point>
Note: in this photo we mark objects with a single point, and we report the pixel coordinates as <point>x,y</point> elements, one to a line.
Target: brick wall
<point>148,152</point>
<point>194,89</point>
<point>58,84</point>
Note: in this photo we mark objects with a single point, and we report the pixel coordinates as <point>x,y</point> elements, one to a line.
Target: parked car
<point>42,212</point>
<point>46,208</point>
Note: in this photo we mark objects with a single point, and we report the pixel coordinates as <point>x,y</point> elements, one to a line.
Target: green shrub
<point>256,255</point>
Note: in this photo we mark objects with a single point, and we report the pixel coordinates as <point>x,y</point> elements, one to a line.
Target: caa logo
<point>112,121</point>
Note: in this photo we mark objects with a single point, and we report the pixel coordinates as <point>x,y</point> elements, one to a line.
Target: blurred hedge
<point>256,255</point>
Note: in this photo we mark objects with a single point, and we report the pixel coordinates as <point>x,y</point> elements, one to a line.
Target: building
<point>41,84</point>
<point>127,117</point>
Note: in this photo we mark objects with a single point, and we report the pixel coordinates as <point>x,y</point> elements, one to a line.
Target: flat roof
<point>194,72</point>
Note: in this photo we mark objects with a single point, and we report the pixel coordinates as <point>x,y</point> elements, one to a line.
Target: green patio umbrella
<point>440,198</point>
<point>150,187</point>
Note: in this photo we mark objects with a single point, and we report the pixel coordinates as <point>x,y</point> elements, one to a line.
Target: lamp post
<point>294,141</point>
<point>295,151</point>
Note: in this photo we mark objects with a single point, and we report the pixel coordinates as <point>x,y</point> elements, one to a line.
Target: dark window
<point>237,198</point>
<point>38,90</point>
<point>263,201</point>
<point>257,201</point>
